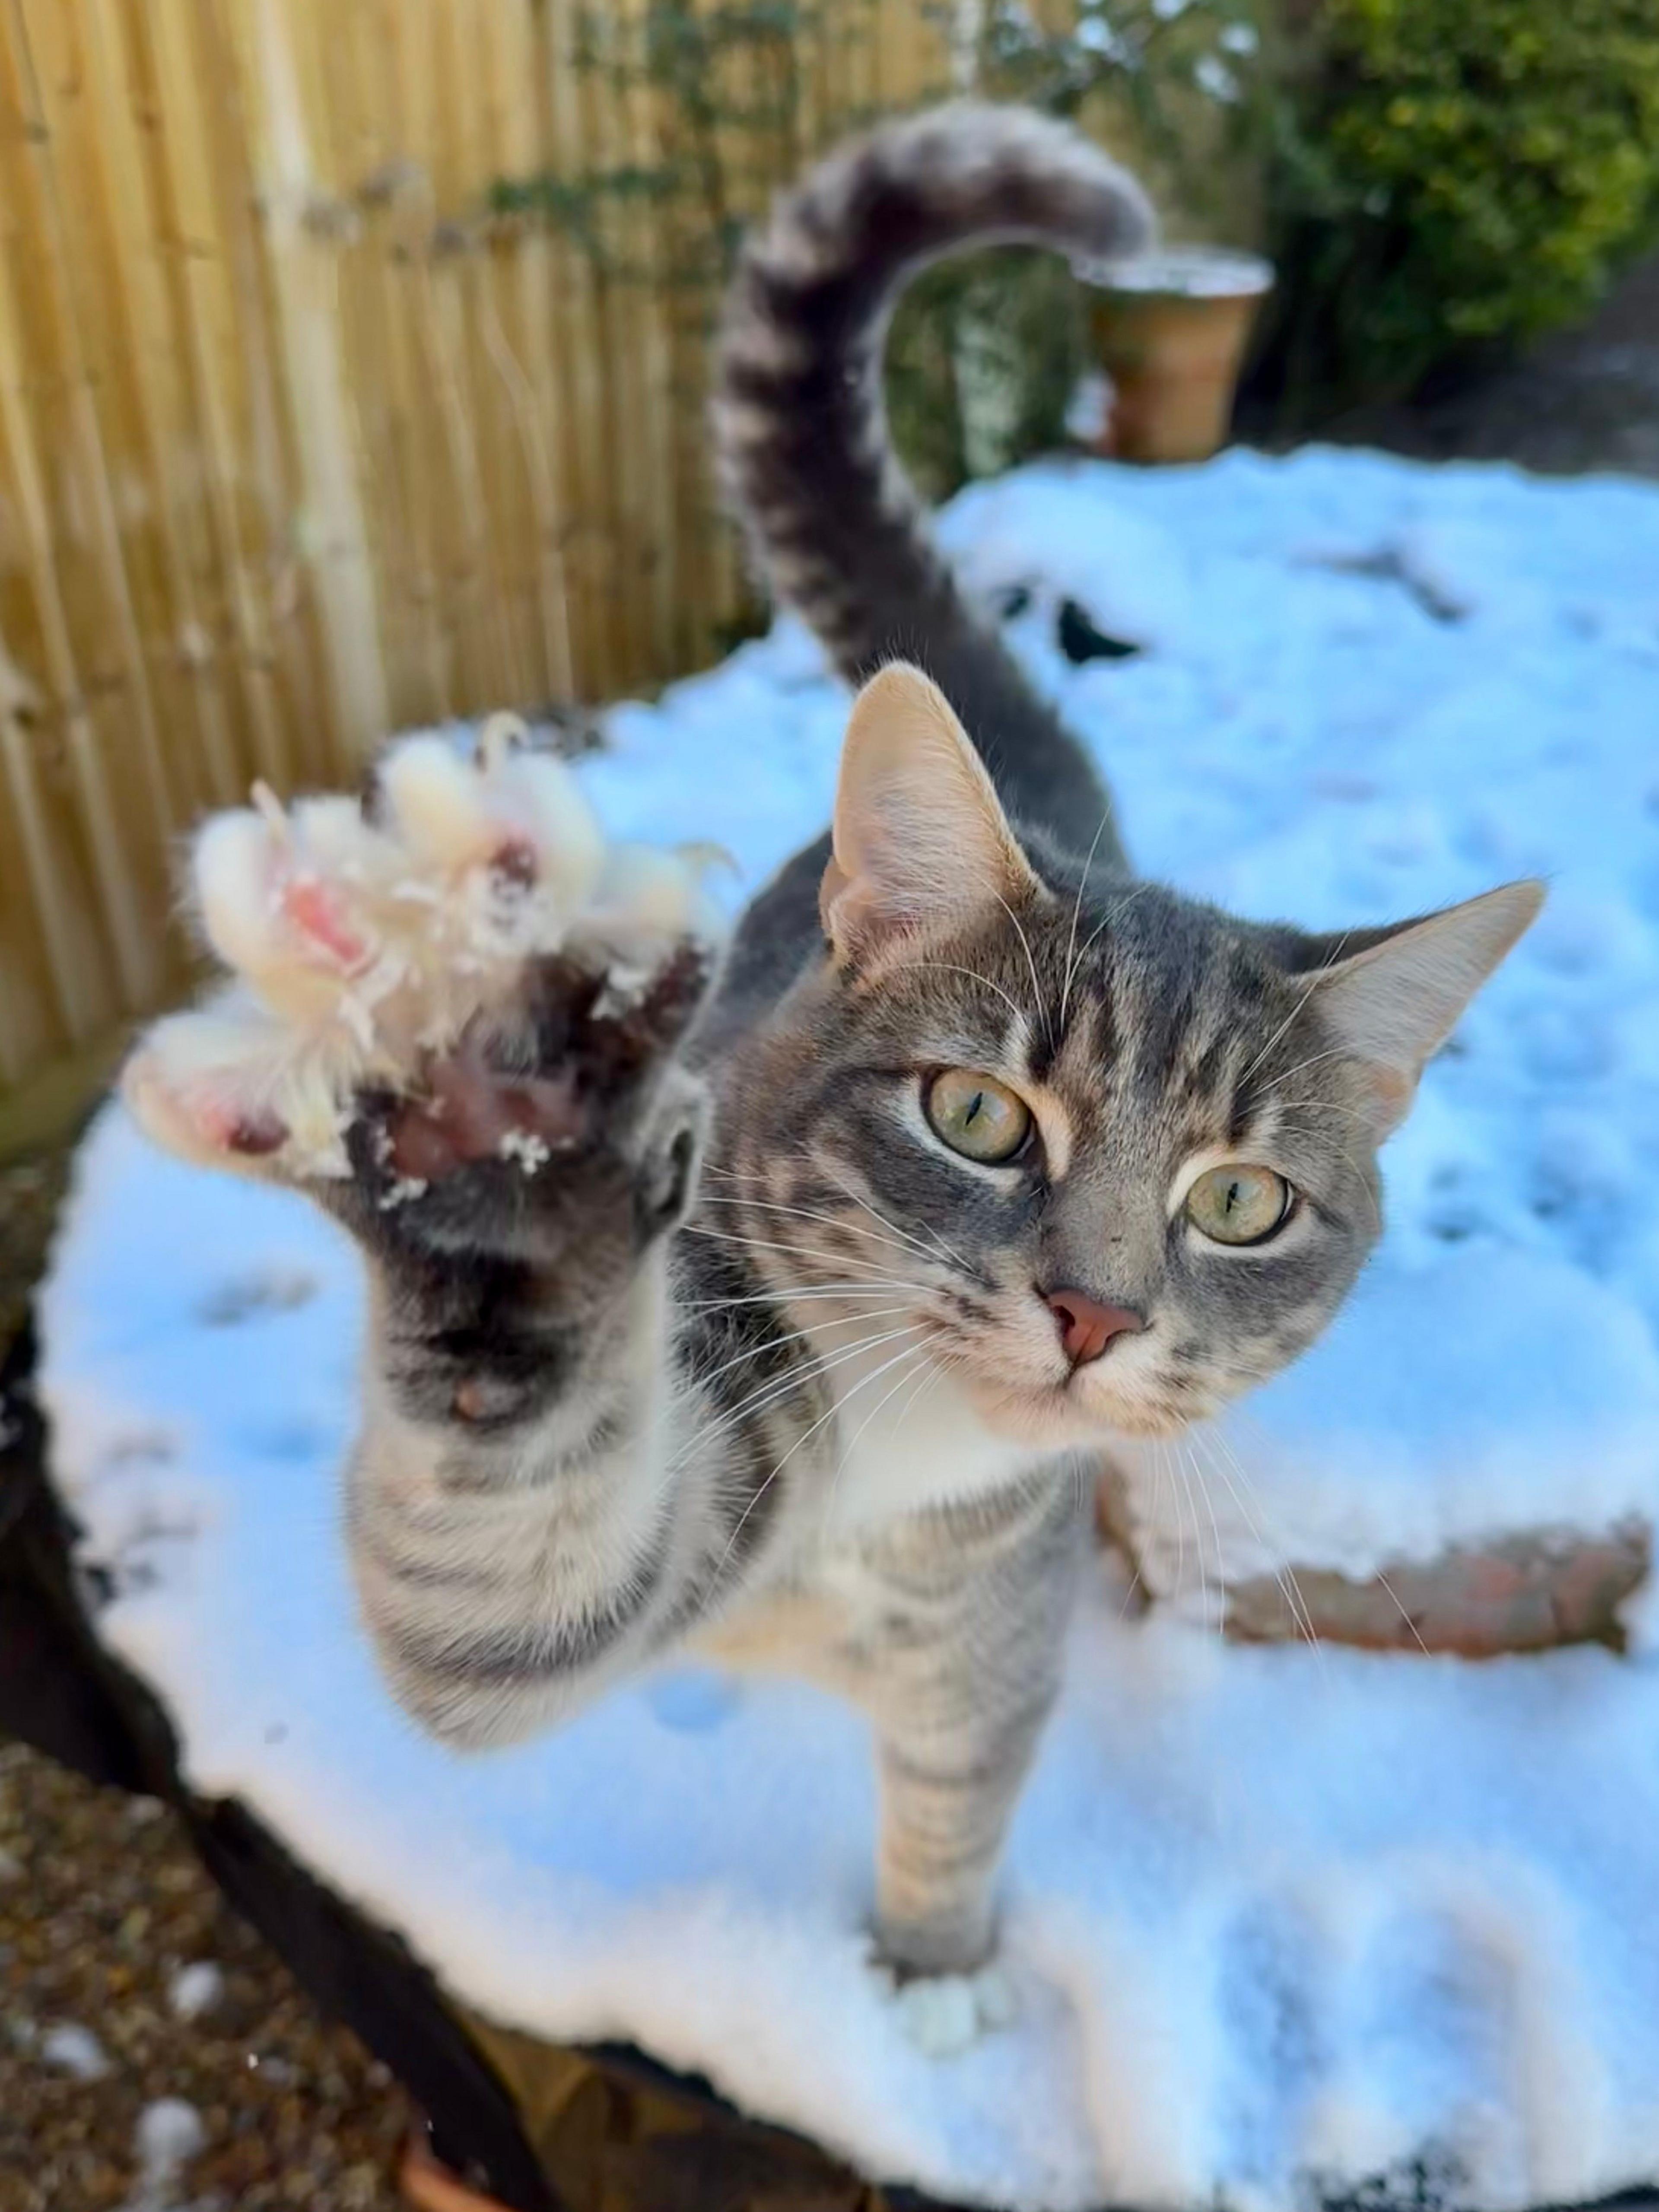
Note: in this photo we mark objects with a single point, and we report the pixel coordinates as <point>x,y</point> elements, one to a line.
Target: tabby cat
<point>778,1302</point>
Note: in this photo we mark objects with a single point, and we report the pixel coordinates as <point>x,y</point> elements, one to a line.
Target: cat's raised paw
<point>460,965</point>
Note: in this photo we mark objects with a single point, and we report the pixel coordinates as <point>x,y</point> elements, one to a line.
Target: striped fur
<point>686,1324</point>
<point>800,430</point>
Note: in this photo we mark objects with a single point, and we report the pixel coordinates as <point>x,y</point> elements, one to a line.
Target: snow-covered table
<point>1281,1920</point>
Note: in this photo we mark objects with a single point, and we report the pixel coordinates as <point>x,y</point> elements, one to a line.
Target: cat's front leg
<point>455,1025</point>
<point>959,1678</point>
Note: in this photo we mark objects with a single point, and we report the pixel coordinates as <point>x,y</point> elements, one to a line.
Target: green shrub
<point>1454,175</point>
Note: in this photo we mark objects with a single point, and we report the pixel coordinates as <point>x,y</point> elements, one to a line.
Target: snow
<point>169,2134</point>
<point>1188,272</point>
<point>77,2050</point>
<point>196,1989</point>
<point>1276,1918</point>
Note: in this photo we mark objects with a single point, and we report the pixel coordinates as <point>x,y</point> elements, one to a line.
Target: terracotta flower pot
<point>1169,333</point>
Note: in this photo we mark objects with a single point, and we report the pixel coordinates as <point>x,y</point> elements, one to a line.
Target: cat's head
<point>1107,1152</point>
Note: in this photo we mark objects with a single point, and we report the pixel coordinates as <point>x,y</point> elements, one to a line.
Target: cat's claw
<point>372,947</point>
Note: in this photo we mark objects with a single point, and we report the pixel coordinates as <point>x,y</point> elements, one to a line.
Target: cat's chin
<point>1060,1414</point>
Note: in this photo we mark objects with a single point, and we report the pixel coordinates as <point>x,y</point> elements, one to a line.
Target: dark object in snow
<point>1392,566</point>
<point>1080,638</point>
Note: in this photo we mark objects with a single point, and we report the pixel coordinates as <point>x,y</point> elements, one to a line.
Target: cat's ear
<point>1395,1002</point>
<point>919,835</point>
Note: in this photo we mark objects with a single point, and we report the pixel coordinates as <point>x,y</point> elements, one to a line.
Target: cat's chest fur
<point>903,1441</point>
<point>861,1547</point>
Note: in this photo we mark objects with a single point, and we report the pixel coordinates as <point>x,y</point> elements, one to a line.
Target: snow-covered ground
<point>1275,1917</point>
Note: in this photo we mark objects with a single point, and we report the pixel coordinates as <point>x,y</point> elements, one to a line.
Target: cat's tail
<point>801,428</point>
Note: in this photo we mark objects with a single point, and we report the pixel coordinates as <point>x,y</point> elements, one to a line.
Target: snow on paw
<point>283,898</point>
<point>224,1086</point>
<point>945,2014</point>
<point>459,961</point>
<point>646,901</point>
<point>506,837</point>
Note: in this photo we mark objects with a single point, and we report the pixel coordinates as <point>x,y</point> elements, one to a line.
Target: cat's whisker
<point>1077,911</point>
<point>1128,1595</point>
<point>801,1252</point>
<point>916,1351</point>
<point>747,1174</point>
<point>1285,1575</point>
<point>1166,1473</point>
<point>780,1387</point>
<point>1314,1060</point>
<point>1183,1470</point>
<point>1037,1004</point>
<point>801,1369</point>
<point>933,1374</point>
<point>803,1291</point>
<point>1285,1109</point>
<point>909,1245</point>
<point>949,1250</point>
<point>1297,1010</point>
<point>807,1213</point>
<point>1219,1556</point>
<point>1118,907</point>
<point>804,1371</point>
<point>754,1243</point>
<point>914,1243</point>
<point>1380,1577</point>
<point>751,1243</point>
<point>951,967</point>
<point>794,1336</point>
<point>1417,1636</point>
<point>805,1436</point>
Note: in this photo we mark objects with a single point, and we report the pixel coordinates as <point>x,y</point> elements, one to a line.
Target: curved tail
<point>801,431</point>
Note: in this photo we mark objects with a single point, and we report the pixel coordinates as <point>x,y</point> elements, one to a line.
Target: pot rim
<point>1181,272</point>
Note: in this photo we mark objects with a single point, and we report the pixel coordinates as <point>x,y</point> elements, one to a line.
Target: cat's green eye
<point>976,1115</point>
<point>1238,1205</point>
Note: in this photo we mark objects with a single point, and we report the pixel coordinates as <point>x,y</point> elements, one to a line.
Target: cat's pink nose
<point>1086,1327</point>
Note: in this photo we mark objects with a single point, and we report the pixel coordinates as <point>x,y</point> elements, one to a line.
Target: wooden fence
<point>352,356</point>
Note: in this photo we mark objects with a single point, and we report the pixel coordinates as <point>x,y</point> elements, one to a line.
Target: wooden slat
<point>182,650</point>
<point>206,343</point>
<point>332,537</point>
<point>585,364</point>
<point>517,334</point>
<point>655,563</point>
<point>58,258</point>
<point>127,955</point>
<point>256,475</point>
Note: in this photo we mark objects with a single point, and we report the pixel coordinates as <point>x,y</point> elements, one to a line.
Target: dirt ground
<point>108,1927</point>
<point>126,1981</point>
